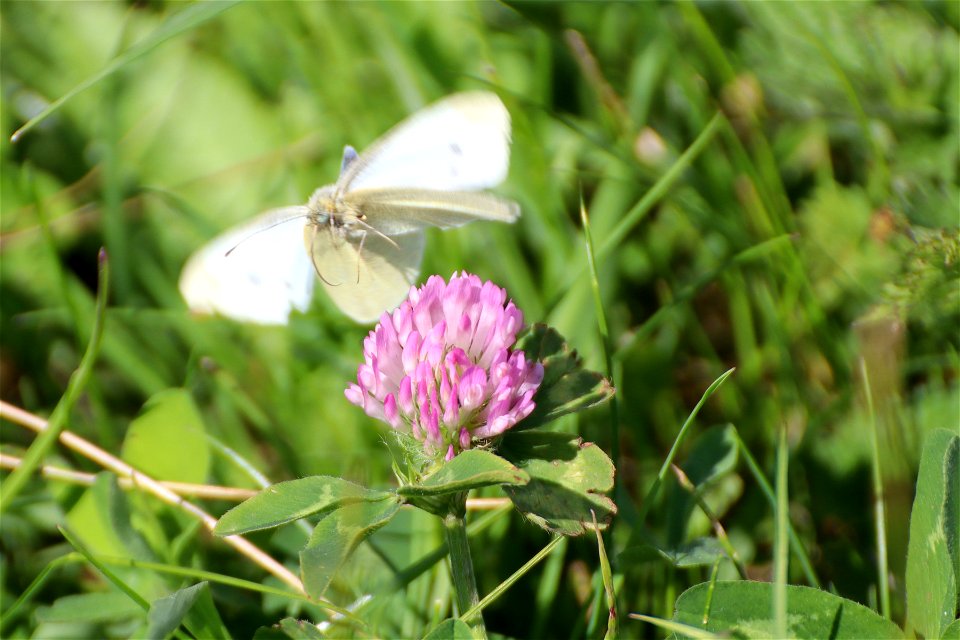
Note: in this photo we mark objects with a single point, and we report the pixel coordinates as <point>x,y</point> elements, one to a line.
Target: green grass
<point>791,212</point>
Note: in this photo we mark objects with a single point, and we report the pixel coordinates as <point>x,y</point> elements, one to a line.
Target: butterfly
<point>364,235</point>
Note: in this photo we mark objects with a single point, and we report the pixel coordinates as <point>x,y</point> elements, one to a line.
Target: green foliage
<point>167,441</point>
<point>743,608</point>
<point>933,559</point>
<point>699,552</point>
<point>291,629</point>
<point>568,479</point>
<point>450,629</point>
<point>288,501</point>
<point>108,606</point>
<point>933,565</point>
<point>471,469</point>
<point>771,186</point>
<point>191,606</point>
<point>103,515</point>
<point>567,387</point>
<point>336,536</point>
<point>928,287</point>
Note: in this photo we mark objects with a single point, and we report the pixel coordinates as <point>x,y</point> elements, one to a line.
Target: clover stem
<point>461,565</point>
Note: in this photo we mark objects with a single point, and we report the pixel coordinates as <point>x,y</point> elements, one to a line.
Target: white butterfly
<point>364,235</point>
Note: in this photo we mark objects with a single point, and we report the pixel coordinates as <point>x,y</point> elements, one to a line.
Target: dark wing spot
<point>457,151</point>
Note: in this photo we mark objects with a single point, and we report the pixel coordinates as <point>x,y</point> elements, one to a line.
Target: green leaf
<point>568,478</point>
<point>193,606</point>
<point>336,536</point>
<point>289,628</point>
<point>744,609</point>
<point>471,469</point>
<point>270,633</point>
<point>101,517</point>
<point>567,387</point>
<point>107,606</point>
<point>118,582</point>
<point>933,559</point>
<point>203,620</point>
<point>288,501</point>
<point>952,632</point>
<point>696,553</point>
<point>450,629</point>
<point>714,455</point>
<point>168,440</point>
<point>700,552</point>
<point>119,516</point>
<point>711,460</point>
<point>300,629</point>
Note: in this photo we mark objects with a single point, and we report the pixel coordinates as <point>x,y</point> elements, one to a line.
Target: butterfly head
<point>328,207</point>
<point>322,205</point>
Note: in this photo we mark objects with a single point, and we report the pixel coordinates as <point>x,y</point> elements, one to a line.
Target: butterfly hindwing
<point>365,273</point>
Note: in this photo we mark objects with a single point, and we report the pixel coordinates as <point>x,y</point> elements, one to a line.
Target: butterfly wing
<point>255,272</point>
<point>365,273</point>
<point>395,211</point>
<point>461,143</point>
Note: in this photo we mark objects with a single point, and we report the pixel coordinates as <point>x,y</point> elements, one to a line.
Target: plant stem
<point>461,565</point>
<point>33,458</point>
<point>149,485</point>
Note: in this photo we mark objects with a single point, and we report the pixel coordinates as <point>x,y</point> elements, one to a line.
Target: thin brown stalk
<point>157,489</point>
<point>208,491</point>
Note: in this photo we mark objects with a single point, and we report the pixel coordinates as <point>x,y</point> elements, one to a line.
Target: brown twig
<point>208,491</point>
<point>148,484</point>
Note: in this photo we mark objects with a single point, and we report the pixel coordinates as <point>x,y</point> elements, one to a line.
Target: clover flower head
<point>440,366</point>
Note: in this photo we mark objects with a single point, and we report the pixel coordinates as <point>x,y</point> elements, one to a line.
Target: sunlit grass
<point>770,187</point>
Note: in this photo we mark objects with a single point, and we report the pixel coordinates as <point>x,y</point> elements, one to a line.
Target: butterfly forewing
<point>395,211</point>
<point>461,143</point>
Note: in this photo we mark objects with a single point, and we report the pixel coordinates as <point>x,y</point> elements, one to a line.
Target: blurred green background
<point>814,228</point>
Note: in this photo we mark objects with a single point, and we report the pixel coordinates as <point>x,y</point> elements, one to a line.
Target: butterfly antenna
<point>367,229</point>
<point>363,241</point>
<point>261,229</point>
<point>313,241</point>
<point>372,229</point>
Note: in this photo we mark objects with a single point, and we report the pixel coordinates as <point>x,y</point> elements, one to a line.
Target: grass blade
<point>654,195</point>
<point>665,468</point>
<point>660,188</point>
<point>781,557</point>
<point>604,340</point>
<point>191,17</point>
<point>764,485</point>
<point>613,629</point>
<point>36,585</point>
<point>34,456</point>
<point>506,584</point>
<point>879,512</point>
<point>102,568</point>
<point>230,581</point>
<point>682,630</point>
